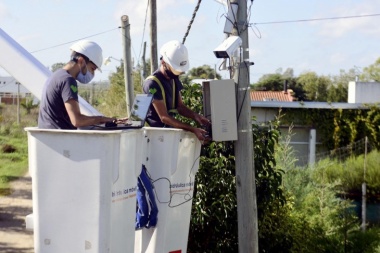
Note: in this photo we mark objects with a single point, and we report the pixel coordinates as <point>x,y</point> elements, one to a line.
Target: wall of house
<point>363,92</point>
<point>264,115</point>
<point>300,142</point>
<point>300,135</point>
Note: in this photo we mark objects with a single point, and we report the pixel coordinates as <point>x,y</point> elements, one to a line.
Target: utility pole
<point>364,189</point>
<point>153,36</point>
<point>126,42</point>
<point>18,103</point>
<point>245,172</point>
<point>143,63</point>
<point>92,93</point>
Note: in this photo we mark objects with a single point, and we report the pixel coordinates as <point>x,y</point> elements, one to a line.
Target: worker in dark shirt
<point>59,108</point>
<point>166,88</point>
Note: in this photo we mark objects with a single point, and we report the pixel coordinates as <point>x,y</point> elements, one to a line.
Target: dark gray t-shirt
<point>150,85</point>
<point>58,89</point>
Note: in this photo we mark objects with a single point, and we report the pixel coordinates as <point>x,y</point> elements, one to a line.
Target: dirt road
<point>14,238</point>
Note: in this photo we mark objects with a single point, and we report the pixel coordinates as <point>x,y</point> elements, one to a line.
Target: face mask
<point>85,78</point>
<point>170,74</point>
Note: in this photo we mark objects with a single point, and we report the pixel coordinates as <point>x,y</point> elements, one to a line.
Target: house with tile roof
<point>281,96</point>
<point>266,105</point>
<point>10,89</point>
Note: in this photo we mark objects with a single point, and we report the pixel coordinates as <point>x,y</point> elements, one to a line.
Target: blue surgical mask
<point>85,78</point>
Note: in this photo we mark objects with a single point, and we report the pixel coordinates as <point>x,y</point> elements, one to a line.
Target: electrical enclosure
<point>219,105</point>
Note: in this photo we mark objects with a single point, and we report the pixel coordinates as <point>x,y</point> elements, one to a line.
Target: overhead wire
<point>245,26</point>
<point>69,42</point>
<point>142,39</point>
<point>128,38</point>
<point>191,21</point>
<point>250,24</point>
<point>315,19</point>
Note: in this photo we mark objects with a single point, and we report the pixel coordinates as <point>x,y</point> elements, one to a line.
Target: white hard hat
<point>91,50</point>
<point>175,54</point>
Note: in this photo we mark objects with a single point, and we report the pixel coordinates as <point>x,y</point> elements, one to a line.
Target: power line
<point>142,40</point>
<point>93,35</point>
<point>191,21</point>
<point>314,19</point>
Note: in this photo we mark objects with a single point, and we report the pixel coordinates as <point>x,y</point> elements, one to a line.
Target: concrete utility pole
<point>153,36</point>
<point>18,103</point>
<point>126,41</point>
<point>143,63</point>
<point>245,173</point>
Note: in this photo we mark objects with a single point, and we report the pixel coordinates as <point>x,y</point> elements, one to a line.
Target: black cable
<point>191,21</point>
<point>142,40</point>
<point>190,189</point>
<point>73,41</point>
<point>187,194</point>
<point>234,23</point>
<point>315,19</point>
<point>246,25</point>
<point>246,90</point>
<point>257,35</point>
<point>130,40</point>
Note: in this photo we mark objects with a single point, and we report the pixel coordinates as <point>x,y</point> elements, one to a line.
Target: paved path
<point>14,238</point>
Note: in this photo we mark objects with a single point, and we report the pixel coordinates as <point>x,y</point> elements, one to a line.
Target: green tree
<point>276,82</point>
<point>372,72</point>
<point>28,105</point>
<point>315,87</point>
<point>338,91</point>
<point>202,72</point>
<point>214,211</point>
<point>114,101</point>
<point>144,67</point>
<point>270,82</point>
<point>56,66</point>
<point>288,73</point>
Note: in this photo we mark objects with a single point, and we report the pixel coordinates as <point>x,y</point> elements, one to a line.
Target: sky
<point>281,35</point>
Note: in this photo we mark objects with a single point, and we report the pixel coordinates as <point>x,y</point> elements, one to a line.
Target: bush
<point>323,221</point>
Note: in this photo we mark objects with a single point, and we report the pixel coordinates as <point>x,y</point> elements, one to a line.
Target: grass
<point>13,144</point>
<point>350,174</point>
<point>14,140</point>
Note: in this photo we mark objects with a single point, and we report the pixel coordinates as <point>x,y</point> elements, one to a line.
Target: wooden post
<point>153,36</point>
<point>126,40</point>
<point>245,172</point>
<point>18,103</point>
<point>364,189</point>
<point>143,64</point>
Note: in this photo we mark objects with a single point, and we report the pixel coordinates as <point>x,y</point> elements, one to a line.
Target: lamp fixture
<point>107,60</point>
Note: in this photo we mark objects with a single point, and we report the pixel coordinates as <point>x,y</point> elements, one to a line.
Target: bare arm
<point>81,120</point>
<point>169,120</point>
<point>188,113</point>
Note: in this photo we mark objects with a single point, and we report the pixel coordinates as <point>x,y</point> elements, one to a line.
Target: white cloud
<point>336,28</point>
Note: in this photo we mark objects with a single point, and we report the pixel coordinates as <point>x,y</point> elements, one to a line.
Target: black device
<point>138,115</point>
<point>208,128</point>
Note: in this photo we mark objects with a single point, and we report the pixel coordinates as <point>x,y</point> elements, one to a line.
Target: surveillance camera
<point>228,47</point>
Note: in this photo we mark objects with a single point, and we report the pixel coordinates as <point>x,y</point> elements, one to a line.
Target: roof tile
<point>272,96</point>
